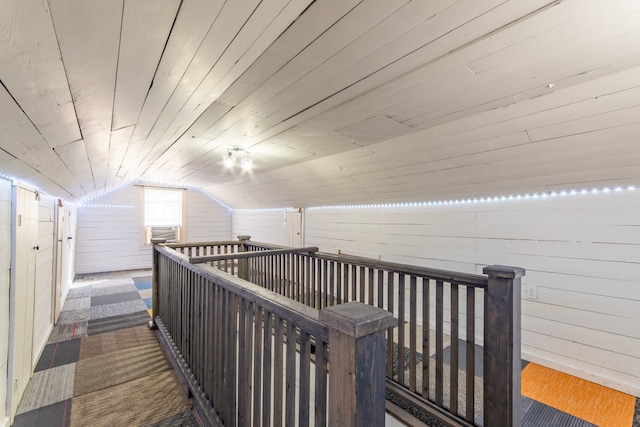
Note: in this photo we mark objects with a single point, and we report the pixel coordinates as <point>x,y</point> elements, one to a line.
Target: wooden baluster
<point>266,378</point>
<point>412,332</point>
<point>439,342</point>
<point>401,324</point>
<point>453,353</point>
<point>426,335</point>
<point>471,347</point>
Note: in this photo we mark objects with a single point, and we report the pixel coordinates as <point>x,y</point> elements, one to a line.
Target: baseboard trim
<point>623,387</point>
<point>4,422</point>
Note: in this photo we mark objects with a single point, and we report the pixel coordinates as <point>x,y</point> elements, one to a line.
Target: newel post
<point>243,264</point>
<point>502,359</point>
<point>357,361</point>
<point>155,300</point>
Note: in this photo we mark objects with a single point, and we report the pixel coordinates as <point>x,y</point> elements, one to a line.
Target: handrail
<point>245,255</point>
<point>277,304</point>
<point>432,273</point>
<point>216,243</point>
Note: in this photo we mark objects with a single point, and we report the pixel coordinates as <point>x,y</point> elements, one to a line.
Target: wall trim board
<point>601,378</point>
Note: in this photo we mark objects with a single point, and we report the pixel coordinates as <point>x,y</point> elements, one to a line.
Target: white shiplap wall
<point>109,233</point>
<point>43,324</point>
<point>581,252</point>
<point>5,258</point>
<point>263,225</point>
<point>206,219</point>
<point>111,238</point>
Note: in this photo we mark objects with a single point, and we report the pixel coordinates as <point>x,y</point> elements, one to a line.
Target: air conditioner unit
<point>170,234</point>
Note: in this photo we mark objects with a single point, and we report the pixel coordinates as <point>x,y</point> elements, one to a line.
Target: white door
<point>21,308</point>
<point>60,237</point>
<point>293,227</point>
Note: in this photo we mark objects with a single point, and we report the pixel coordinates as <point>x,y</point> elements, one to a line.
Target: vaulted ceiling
<point>337,101</point>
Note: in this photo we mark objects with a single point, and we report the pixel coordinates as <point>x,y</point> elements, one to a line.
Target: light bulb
<point>246,163</point>
<point>228,160</point>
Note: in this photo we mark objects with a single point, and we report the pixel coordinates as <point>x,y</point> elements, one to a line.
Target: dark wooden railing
<point>250,356</point>
<point>455,348</point>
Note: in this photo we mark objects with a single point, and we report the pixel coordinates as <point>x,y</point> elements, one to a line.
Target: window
<point>162,207</point>
<point>163,215</point>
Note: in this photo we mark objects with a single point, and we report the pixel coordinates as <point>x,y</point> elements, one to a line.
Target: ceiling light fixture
<point>246,163</point>
<point>229,159</point>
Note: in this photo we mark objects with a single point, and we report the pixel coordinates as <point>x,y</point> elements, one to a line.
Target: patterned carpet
<point>102,365</point>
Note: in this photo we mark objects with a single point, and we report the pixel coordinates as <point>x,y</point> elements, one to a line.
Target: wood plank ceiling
<point>337,101</point>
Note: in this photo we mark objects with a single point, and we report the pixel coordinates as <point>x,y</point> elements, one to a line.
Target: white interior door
<point>293,227</point>
<point>60,237</point>
<point>21,309</point>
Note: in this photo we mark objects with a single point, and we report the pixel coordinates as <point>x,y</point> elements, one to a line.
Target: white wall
<point>110,231</point>
<point>5,258</point>
<point>263,225</point>
<point>109,234</point>
<point>206,219</point>
<point>581,252</point>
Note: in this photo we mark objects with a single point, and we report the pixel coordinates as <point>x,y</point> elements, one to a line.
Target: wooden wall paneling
<point>399,31</point>
<point>110,238</point>
<point>543,33</point>
<point>591,285</point>
<point>413,65</point>
<point>229,22</point>
<point>5,256</point>
<point>191,26</point>
<point>22,138</point>
<point>325,56</point>
<point>117,150</point>
<point>38,81</point>
<point>591,123</point>
<point>146,26</point>
<point>518,37</point>
<point>265,225</point>
<point>471,101</point>
<point>198,141</point>
<point>575,151</point>
<point>630,253</point>
<point>290,13</point>
<point>75,157</point>
<point>347,28</point>
<point>206,219</point>
<point>265,24</point>
<point>308,27</point>
<point>482,135</point>
<point>89,39</point>
<point>599,95</point>
<point>193,22</point>
<point>602,322</point>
